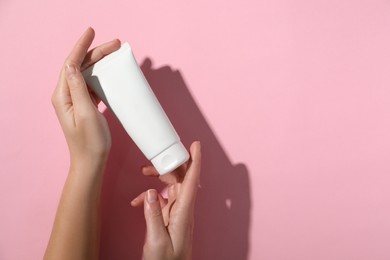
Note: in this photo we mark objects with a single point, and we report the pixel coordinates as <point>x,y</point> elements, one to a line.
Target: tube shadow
<point>222,214</point>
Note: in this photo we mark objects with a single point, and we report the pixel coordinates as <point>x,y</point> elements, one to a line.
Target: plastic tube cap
<point>171,158</point>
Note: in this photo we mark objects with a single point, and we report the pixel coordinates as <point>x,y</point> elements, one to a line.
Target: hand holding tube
<point>85,128</point>
<point>75,233</point>
<point>120,83</point>
<point>170,221</point>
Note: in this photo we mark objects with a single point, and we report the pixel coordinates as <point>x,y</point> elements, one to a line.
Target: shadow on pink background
<point>291,100</point>
<point>224,199</point>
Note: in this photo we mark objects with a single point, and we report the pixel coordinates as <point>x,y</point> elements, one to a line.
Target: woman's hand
<point>85,128</point>
<point>75,233</point>
<point>170,221</point>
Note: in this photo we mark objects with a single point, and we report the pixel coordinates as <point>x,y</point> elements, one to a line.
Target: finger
<point>95,98</point>
<point>163,201</point>
<point>149,171</point>
<point>99,52</point>
<point>139,200</point>
<point>80,50</point>
<point>172,192</point>
<point>61,98</point>
<point>81,99</point>
<point>190,183</point>
<point>155,228</point>
<point>173,177</point>
<point>176,176</point>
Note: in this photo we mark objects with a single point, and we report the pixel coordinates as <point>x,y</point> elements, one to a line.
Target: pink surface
<point>290,98</point>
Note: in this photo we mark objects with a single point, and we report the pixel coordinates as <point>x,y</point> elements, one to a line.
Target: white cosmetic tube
<point>120,83</point>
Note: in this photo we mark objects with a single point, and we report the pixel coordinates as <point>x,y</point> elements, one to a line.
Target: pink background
<point>290,99</point>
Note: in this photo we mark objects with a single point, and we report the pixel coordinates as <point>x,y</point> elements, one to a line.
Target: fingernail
<point>152,196</point>
<point>70,69</point>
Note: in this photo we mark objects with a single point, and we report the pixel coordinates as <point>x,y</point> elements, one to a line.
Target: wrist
<point>88,164</point>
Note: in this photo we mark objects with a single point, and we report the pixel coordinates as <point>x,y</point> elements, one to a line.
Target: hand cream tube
<point>121,85</point>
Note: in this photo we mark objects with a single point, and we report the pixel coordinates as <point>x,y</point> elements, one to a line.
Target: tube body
<point>120,83</point>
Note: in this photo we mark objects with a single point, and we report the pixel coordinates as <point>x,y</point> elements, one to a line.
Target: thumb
<point>78,88</point>
<point>155,227</point>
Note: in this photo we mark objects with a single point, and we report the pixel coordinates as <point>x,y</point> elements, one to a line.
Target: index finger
<point>80,50</point>
<point>99,52</point>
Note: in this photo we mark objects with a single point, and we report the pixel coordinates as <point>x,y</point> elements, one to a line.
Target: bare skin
<point>76,229</point>
<point>169,222</point>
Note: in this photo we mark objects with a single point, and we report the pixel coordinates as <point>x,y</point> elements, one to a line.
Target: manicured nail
<point>70,69</point>
<point>152,196</point>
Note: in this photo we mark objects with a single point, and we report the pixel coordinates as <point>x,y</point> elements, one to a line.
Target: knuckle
<point>70,62</point>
